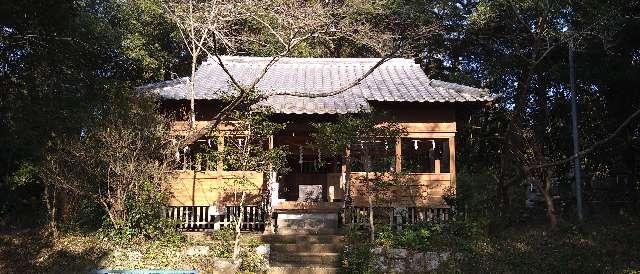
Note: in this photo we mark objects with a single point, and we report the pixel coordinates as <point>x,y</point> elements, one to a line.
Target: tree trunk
<point>236,242</point>
<point>548,199</point>
<point>116,210</point>
<point>50,202</point>
<point>371,223</point>
<point>541,120</point>
<point>511,135</point>
<point>192,93</point>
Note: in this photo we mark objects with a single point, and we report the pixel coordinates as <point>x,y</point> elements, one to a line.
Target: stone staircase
<point>306,241</point>
<point>300,253</point>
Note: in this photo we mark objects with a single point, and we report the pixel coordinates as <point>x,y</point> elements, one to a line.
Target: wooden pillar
<point>344,180</point>
<point>398,155</point>
<point>347,154</point>
<point>271,148</point>
<point>452,160</point>
<point>220,165</point>
<point>273,184</point>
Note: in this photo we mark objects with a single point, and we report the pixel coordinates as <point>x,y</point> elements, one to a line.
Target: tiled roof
<point>397,80</point>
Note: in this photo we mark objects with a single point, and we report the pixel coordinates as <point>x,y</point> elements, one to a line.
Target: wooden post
<point>345,170</point>
<point>452,160</point>
<point>220,165</point>
<point>398,155</point>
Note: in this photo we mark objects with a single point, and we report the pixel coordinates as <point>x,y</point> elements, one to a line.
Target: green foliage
<point>252,262</point>
<point>474,194</point>
<point>65,65</point>
<point>357,259</point>
<point>145,218</point>
<point>25,173</point>
<point>598,248</point>
<point>144,221</point>
<point>429,236</point>
<point>334,137</point>
<point>253,128</point>
<point>224,239</point>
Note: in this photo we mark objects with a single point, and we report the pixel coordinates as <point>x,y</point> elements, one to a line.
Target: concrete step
<point>327,259</point>
<point>302,270</point>
<point>305,231</point>
<point>307,223</point>
<point>304,239</point>
<point>306,247</point>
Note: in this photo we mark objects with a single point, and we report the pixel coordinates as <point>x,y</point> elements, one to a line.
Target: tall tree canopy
<point>65,67</point>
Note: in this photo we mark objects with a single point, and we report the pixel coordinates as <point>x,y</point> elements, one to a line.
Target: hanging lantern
<point>415,144</point>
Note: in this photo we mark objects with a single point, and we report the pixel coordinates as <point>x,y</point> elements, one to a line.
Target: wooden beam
<point>431,135</point>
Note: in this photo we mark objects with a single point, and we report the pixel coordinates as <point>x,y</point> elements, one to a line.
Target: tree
<point>519,49</point>
<point>364,133</point>
<point>63,64</point>
<point>284,28</point>
<point>247,150</point>
<point>120,164</point>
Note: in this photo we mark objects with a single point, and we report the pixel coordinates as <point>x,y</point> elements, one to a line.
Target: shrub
<point>429,236</point>
<point>144,219</point>
<point>357,259</point>
<point>252,262</point>
<point>224,238</point>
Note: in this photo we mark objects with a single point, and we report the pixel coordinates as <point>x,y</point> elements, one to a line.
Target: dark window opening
<point>235,149</point>
<point>200,156</point>
<point>420,155</point>
<point>373,156</point>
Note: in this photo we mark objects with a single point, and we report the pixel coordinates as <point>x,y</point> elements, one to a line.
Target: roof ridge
<point>305,60</point>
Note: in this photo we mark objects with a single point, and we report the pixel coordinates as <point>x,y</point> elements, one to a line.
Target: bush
<point>429,236</point>
<point>357,259</point>
<point>252,262</point>
<point>144,219</point>
<point>224,238</point>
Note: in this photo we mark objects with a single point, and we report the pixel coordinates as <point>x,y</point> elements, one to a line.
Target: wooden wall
<point>213,188</point>
<point>419,190</point>
<point>433,120</point>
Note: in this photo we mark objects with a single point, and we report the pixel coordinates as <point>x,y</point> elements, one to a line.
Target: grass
<point>599,248</point>
<point>600,245</point>
<point>33,251</point>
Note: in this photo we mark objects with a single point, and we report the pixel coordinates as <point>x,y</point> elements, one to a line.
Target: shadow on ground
<point>34,252</point>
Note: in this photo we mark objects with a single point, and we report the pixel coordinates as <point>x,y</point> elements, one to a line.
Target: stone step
<point>328,259</point>
<point>307,223</point>
<point>302,231</point>
<point>304,239</point>
<point>302,270</point>
<point>306,247</point>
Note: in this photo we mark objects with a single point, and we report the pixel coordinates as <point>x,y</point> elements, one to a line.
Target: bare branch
<point>352,84</point>
<point>594,147</point>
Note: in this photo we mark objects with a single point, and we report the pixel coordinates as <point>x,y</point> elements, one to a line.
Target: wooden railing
<point>199,218</point>
<point>396,217</point>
